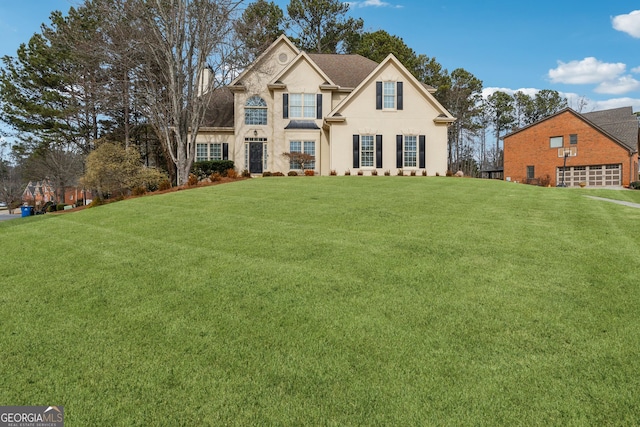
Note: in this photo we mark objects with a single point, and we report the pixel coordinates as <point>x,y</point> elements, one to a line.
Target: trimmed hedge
<point>204,169</point>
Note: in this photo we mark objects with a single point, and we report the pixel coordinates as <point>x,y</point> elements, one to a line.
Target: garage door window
<point>593,176</point>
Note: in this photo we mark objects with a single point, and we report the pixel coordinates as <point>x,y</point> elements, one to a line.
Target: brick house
<point>601,149</point>
<point>40,192</point>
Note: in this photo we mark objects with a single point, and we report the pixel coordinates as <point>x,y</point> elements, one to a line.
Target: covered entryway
<point>592,176</point>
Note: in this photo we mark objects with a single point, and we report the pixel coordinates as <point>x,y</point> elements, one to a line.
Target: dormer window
<point>255,111</point>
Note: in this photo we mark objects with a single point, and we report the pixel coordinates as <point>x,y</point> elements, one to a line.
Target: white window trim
<point>302,150</point>
<point>303,105</point>
<point>405,151</point>
<point>393,95</point>
<point>373,151</point>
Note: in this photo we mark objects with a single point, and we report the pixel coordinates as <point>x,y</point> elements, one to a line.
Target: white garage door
<point>593,176</point>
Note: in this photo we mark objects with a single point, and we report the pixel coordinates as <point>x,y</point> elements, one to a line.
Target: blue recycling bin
<point>26,210</point>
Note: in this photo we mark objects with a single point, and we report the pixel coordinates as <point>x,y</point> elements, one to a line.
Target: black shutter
<point>378,151</point>
<point>225,151</point>
<point>421,155</point>
<point>285,105</point>
<point>319,106</point>
<point>356,151</point>
<point>399,96</point>
<point>399,151</point>
<point>378,95</point>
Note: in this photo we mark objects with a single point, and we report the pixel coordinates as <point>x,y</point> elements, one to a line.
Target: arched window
<point>255,111</point>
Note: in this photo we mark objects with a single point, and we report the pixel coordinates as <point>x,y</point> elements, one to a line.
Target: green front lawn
<point>328,301</point>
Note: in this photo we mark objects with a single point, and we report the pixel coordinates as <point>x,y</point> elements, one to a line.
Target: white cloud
<point>371,3</point>
<point>635,70</point>
<point>629,23</point>
<point>616,103</point>
<point>588,71</point>
<point>618,86</point>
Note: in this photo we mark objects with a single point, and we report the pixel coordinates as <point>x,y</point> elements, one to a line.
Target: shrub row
<point>206,168</point>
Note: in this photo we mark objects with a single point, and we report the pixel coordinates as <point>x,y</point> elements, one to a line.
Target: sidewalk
<point>619,202</point>
<point>4,214</point>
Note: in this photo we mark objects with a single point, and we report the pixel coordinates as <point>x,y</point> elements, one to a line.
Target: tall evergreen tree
<point>260,24</point>
<point>463,101</point>
<point>323,25</point>
<point>501,110</point>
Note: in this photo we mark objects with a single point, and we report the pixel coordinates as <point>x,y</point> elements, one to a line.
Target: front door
<point>255,157</point>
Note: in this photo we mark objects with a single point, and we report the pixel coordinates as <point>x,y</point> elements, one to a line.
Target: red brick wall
<point>531,147</point>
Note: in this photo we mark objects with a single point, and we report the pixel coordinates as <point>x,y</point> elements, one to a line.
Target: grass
<point>328,301</point>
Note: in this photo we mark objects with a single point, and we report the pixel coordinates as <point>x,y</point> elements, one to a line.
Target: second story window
<point>556,142</point>
<point>255,111</point>
<point>389,95</point>
<point>302,106</point>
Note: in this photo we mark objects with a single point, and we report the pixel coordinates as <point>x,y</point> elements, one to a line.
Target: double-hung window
<point>213,151</point>
<point>367,151</point>
<point>202,152</point>
<point>306,148</point>
<point>302,106</point>
<point>388,95</point>
<point>410,153</point>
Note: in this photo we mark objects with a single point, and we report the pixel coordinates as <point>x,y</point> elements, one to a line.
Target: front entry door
<point>255,157</point>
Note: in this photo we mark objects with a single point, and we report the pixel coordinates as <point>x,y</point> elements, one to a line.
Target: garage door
<point>593,176</point>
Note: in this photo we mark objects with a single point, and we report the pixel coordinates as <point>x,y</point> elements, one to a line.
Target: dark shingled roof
<point>302,124</point>
<point>344,70</point>
<point>220,109</point>
<point>618,122</point>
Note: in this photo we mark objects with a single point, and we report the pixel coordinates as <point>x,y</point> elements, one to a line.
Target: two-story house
<point>594,149</point>
<point>350,113</point>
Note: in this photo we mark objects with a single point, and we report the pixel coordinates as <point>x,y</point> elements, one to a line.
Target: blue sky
<point>581,49</point>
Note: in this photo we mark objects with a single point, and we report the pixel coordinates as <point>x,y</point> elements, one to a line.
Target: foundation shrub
<point>193,180</point>
<point>205,168</point>
<point>165,184</point>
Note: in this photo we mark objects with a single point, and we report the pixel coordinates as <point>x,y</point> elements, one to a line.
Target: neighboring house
<point>350,113</point>
<point>601,149</point>
<point>40,192</point>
